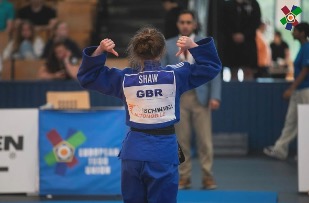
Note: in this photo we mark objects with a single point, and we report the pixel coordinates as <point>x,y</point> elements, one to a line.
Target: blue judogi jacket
<point>151,96</point>
<point>205,92</point>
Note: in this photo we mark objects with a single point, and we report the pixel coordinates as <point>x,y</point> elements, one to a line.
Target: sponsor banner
<point>79,152</point>
<point>18,150</point>
<point>303,150</point>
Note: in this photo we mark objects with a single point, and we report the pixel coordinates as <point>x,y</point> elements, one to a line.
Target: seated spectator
<point>60,64</point>
<point>263,52</point>
<point>6,24</point>
<point>6,16</point>
<point>61,33</point>
<point>42,16</point>
<point>25,45</point>
<point>280,54</point>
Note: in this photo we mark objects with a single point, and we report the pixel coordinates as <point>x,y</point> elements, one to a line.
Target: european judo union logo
<point>63,150</point>
<point>290,16</point>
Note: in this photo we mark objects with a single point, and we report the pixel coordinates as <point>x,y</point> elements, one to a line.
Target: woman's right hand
<point>185,43</point>
<point>108,45</point>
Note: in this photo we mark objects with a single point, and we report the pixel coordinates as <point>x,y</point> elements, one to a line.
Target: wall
<point>250,107</point>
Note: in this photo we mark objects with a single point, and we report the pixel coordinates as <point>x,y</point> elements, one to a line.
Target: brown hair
<point>53,64</point>
<point>56,26</point>
<point>303,27</point>
<point>18,35</point>
<point>147,44</point>
<point>192,13</point>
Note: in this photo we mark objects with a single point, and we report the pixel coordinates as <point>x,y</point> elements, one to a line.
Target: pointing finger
<point>114,52</point>
<point>179,52</point>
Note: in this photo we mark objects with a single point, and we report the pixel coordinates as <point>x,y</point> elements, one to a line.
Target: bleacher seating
<point>79,14</point>
<point>23,69</point>
<point>4,38</point>
<point>28,69</point>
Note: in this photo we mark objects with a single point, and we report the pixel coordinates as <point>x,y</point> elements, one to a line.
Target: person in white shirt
<point>25,44</point>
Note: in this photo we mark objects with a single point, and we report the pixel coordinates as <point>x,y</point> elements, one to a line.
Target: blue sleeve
<point>305,57</point>
<point>94,75</point>
<point>206,67</point>
<point>215,88</point>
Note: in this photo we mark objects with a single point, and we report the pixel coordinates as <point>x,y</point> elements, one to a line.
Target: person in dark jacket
<point>173,10</point>
<point>241,18</point>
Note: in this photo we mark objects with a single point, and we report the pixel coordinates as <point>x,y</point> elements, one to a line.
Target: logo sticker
<point>290,16</point>
<point>63,150</point>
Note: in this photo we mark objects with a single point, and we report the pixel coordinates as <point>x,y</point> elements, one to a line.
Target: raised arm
<point>94,75</point>
<point>206,67</point>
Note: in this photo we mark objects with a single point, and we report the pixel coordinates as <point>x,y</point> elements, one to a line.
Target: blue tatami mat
<point>192,196</point>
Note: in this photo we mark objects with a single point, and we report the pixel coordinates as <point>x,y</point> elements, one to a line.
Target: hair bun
<point>147,44</point>
<point>145,38</point>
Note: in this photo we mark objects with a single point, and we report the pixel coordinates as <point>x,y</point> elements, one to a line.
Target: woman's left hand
<point>108,45</point>
<point>185,43</point>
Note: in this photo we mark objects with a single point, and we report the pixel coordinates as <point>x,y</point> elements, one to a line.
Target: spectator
<point>25,45</point>
<point>172,9</point>
<point>280,54</point>
<point>60,64</point>
<point>297,93</point>
<point>6,24</point>
<point>195,109</point>
<point>263,52</point>
<point>6,16</point>
<point>42,16</point>
<point>61,34</point>
<point>241,18</point>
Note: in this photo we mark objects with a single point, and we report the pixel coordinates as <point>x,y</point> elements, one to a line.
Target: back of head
<point>147,44</point>
<point>303,27</point>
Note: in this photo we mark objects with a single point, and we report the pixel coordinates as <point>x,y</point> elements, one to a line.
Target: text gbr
<point>149,93</point>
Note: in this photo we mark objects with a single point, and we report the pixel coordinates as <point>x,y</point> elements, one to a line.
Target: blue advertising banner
<point>78,152</point>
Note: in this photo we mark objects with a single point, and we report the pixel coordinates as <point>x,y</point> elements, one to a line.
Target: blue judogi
<point>151,98</point>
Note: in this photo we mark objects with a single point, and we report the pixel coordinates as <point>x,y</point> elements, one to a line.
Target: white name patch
<point>150,96</point>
